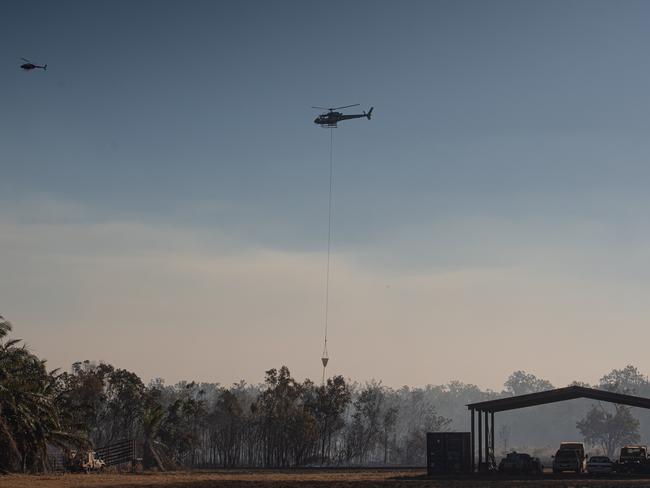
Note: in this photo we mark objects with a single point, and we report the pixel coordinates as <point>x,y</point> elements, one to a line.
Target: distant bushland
<point>281,422</point>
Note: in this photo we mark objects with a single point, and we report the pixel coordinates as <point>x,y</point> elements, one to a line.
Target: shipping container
<point>449,452</point>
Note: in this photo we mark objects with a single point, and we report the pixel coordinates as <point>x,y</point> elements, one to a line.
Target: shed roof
<point>558,395</point>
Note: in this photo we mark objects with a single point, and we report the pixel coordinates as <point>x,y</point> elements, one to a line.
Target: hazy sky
<point>163,189</point>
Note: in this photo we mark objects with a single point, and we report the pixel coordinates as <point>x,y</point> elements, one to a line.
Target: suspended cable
<point>325,357</point>
<point>330,119</point>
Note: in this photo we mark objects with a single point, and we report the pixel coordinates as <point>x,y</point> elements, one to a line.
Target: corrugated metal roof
<point>558,395</point>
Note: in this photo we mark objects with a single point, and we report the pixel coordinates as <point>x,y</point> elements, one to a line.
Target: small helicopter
<point>30,66</point>
<point>330,118</point>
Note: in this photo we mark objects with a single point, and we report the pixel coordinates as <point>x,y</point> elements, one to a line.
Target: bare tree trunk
<point>154,454</point>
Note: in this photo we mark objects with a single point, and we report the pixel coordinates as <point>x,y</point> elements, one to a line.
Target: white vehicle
<point>92,463</point>
<point>573,446</point>
<point>600,465</point>
<point>86,461</point>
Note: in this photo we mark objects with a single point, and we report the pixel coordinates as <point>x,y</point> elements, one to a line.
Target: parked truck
<point>633,459</point>
<point>570,457</point>
<point>520,463</point>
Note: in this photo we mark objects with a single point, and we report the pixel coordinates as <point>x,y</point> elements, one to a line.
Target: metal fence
<point>120,452</point>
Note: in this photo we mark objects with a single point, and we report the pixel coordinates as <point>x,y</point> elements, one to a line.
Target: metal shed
<point>484,444</point>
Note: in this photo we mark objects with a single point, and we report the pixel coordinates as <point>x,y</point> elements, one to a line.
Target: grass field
<point>297,478</point>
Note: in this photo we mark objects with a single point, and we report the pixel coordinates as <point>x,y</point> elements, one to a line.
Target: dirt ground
<point>299,479</point>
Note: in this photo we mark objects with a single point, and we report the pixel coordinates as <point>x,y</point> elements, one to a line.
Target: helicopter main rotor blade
<point>26,60</point>
<point>346,106</point>
<point>322,108</point>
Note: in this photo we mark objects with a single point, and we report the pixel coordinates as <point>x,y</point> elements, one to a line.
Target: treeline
<point>279,423</point>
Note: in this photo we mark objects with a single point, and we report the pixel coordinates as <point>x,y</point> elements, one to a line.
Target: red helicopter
<point>330,118</point>
<point>28,66</point>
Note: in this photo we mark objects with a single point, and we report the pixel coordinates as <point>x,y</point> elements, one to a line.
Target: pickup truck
<point>633,459</point>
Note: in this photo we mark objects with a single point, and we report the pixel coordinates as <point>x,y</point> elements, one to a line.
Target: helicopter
<point>330,118</point>
<point>30,66</point>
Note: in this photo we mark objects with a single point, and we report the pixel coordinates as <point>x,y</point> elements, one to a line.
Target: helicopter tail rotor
<point>45,69</point>
<point>369,114</point>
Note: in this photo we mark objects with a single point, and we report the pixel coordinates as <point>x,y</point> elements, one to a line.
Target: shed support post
<point>473,443</point>
<point>494,458</point>
<point>487,439</point>
<point>480,439</point>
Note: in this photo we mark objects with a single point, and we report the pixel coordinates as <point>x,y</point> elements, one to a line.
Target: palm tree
<point>10,455</point>
<point>152,420</point>
<point>29,420</point>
